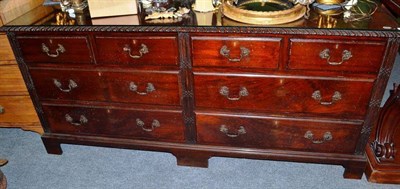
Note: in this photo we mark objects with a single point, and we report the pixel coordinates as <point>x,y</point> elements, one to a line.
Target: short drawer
<point>11,82</point>
<point>312,97</point>
<point>270,133</point>
<point>17,110</point>
<point>143,87</point>
<point>68,85</point>
<point>137,50</point>
<point>242,52</point>
<point>124,123</point>
<point>336,55</point>
<point>55,49</point>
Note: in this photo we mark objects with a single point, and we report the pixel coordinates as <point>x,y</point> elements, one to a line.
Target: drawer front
<point>68,85</point>
<point>327,55</point>
<point>329,98</point>
<point>17,110</point>
<point>241,131</point>
<point>254,52</point>
<point>6,53</point>
<point>135,124</point>
<point>11,82</point>
<point>55,49</point>
<point>143,88</point>
<point>137,51</point>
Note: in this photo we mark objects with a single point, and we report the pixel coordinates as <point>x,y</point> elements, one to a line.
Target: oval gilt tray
<point>263,12</point>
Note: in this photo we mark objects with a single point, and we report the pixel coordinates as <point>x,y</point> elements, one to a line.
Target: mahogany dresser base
<point>307,93</point>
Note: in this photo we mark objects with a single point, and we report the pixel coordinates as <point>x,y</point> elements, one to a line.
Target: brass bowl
<point>280,12</point>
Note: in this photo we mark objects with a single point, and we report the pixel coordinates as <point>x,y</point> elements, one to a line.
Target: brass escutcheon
<point>324,54</point>
<point>225,130</point>
<point>71,85</point>
<point>82,120</point>
<point>244,52</point>
<point>59,50</point>
<point>154,125</point>
<point>327,137</point>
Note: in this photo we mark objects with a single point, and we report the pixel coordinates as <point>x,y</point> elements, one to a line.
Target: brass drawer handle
<point>134,88</point>
<point>71,85</point>
<point>59,50</point>
<point>327,137</point>
<point>225,130</point>
<point>244,52</point>
<point>1,109</point>
<point>318,97</point>
<point>224,91</point>
<point>82,120</point>
<point>154,125</point>
<point>144,50</point>
<point>324,54</point>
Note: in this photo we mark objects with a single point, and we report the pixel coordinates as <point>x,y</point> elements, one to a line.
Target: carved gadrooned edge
<point>192,29</point>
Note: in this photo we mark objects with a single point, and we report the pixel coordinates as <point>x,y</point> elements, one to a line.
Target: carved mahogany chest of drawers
<point>295,94</point>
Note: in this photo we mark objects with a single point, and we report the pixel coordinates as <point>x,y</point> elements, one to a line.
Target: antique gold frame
<point>263,18</point>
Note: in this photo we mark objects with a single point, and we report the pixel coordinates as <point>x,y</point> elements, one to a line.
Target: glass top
<point>380,20</point>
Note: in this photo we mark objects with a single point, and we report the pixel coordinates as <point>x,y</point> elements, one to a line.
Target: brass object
<point>324,54</point>
<point>318,97</point>
<point>134,88</point>
<point>82,120</point>
<point>71,85</point>
<point>224,91</point>
<point>1,109</point>
<point>144,50</point>
<point>327,137</point>
<point>154,125</point>
<point>225,130</point>
<point>3,162</point>
<point>244,52</point>
<point>330,2</point>
<point>289,14</point>
<point>59,50</point>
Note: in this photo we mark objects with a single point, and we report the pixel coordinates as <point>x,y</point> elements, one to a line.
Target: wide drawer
<point>124,123</point>
<point>11,82</point>
<point>243,52</point>
<point>17,110</point>
<point>313,97</point>
<point>143,87</point>
<point>336,55</point>
<point>68,85</point>
<point>137,50</point>
<point>270,133</point>
<point>55,49</point>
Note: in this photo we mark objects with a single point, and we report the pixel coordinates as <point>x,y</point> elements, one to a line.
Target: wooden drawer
<point>272,133</point>
<point>6,53</point>
<point>68,85</point>
<point>129,50</point>
<point>55,49</point>
<point>17,111</point>
<point>143,87</point>
<point>124,123</point>
<point>243,52</point>
<point>313,97</point>
<point>11,82</point>
<point>336,55</point>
